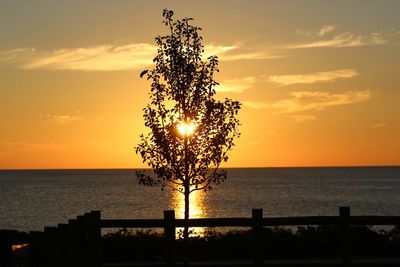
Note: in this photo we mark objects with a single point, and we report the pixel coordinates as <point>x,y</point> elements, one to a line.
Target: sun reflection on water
<point>197,207</point>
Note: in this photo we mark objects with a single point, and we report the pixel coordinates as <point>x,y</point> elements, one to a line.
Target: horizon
<point>318,81</point>
<point>224,168</point>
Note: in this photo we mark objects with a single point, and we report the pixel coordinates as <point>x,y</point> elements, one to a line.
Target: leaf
<point>143,73</point>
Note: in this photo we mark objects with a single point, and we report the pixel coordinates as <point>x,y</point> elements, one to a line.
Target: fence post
<point>169,235</point>
<point>51,246</point>
<point>96,238</point>
<point>344,213</point>
<point>37,255</point>
<point>72,243</point>
<point>63,245</point>
<point>92,236</point>
<point>87,235</point>
<point>5,248</point>
<point>257,216</point>
<point>81,242</point>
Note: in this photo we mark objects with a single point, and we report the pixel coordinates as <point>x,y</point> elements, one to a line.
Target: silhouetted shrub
<point>279,242</point>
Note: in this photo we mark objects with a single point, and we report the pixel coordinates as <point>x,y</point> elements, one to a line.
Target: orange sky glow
<point>318,80</point>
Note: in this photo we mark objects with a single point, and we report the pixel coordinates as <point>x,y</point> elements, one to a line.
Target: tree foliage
<point>183,93</point>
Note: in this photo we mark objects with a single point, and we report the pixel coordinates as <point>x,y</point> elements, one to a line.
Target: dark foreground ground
<point>274,263</point>
<point>302,246</point>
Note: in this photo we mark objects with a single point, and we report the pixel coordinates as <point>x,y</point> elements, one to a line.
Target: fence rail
<point>247,222</point>
<point>77,244</point>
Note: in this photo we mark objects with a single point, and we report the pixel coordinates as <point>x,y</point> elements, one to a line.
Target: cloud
<point>311,100</point>
<point>14,54</point>
<point>250,56</point>
<point>111,57</point>
<point>302,118</point>
<point>301,101</point>
<point>325,29</point>
<point>62,119</point>
<point>233,53</point>
<point>239,85</point>
<point>312,77</point>
<point>97,58</point>
<point>210,50</point>
<point>236,85</point>
<point>379,125</point>
<point>304,33</point>
<point>346,39</point>
<point>255,104</point>
<point>320,32</point>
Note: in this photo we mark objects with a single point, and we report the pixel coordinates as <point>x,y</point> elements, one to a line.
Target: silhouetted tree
<point>190,131</point>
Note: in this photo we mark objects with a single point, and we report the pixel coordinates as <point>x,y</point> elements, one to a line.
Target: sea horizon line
<point>223,168</point>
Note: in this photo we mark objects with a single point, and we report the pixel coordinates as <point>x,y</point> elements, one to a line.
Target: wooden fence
<point>78,243</point>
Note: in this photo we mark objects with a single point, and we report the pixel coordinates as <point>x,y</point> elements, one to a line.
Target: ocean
<point>32,199</point>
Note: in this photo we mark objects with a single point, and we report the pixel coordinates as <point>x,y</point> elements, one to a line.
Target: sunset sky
<point>318,80</point>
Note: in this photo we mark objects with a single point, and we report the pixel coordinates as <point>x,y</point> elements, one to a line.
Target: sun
<point>186,129</point>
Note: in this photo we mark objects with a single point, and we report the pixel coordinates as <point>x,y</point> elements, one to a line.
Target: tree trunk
<point>186,230</point>
<point>187,193</point>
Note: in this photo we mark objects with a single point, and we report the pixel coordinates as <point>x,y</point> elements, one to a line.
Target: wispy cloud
<point>236,85</point>
<point>250,56</point>
<point>255,104</point>
<point>14,54</point>
<point>320,32</point>
<point>312,77</point>
<point>346,39</point>
<point>111,57</point>
<point>240,85</point>
<point>212,49</point>
<point>236,52</point>
<point>302,118</point>
<point>311,100</point>
<point>62,119</point>
<point>97,58</point>
<point>325,29</point>
<point>379,125</point>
